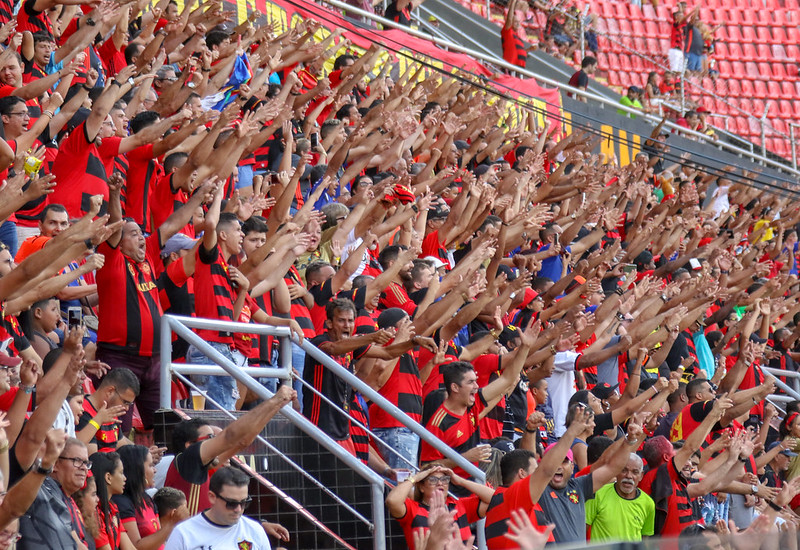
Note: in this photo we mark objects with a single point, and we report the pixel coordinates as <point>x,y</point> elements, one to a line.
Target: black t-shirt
<point>323,415</point>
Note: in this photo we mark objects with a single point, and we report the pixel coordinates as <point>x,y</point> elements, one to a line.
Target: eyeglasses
<point>124,401</point>
<point>434,480</point>
<point>234,504</point>
<point>77,462</point>
<point>23,114</point>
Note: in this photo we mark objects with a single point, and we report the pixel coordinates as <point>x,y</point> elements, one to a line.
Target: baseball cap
<point>785,452</point>
<point>604,391</point>
<point>570,456</point>
<point>437,263</point>
<point>177,242</point>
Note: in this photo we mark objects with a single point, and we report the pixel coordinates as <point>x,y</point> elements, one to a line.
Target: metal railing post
<point>166,363</point>
<point>763,122</point>
<point>582,30</point>
<point>793,145</point>
<point>683,92</point>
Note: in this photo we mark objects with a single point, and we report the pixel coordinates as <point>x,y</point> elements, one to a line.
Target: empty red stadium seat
<point>613,26</point>
<point>613,62</point>
<point>788,90</point>
<point>745,104</point>
<point>763,36</point>
<point>758,106</point>
<point>791,5</point>
<point>721,107</point>
<point>741,126</point>
<point>621,10</point>
<point>779,72</point>
<point>638,28</point>
<point>721,50</point>
<point>748,34</point>
<point>760,89</point>
<point>784,109</point>
<point>779,146</point>
<point>791,72</point>
<point>734,88</point>
<point>764,52</point>
<point>735,35</point>
<point>748,53</point>
<point>748,16</point>
<point>780,126</point>
<point>785,35</point>
<point>751,70</point>
<point>720,14</point>
<point>747,89</point>
<point>796,108</point>
<point>725,68</point>
<point>652,45</point>
<point>754,126</point>
<point>606,9</point>
<point>651,28</point>
<point>649,12</point>
<point>625,28</point>
<point>778,17</point>
<point>763,19</point>
<point>625,63</point>
<point>663,44</point>
<point>636,62</point>
<point>765,71</point>
<point>778,51</point>
<point>773,90</point>
<point>793,51</point>
<point>625,79</point>
<point>664,13</point>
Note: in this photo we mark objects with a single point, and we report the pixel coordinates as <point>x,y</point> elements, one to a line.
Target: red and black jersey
<point>359,436</point>
<point>265,343</point>
<point>80,172</point>
<point>107,436</point>
<point>432,246</point>
<point>687,421</point>
<point>395,295</point>
<point>11,327</point>
<point>243,342</point>
<point>504,501</point>
<point>401,16</point>
<point>176,293</point>
<point>416,517</point>
<point>130,310</point>
<point>677,35</point>
<point>165,199</point>
<point>487,367</point>
<point>326,417</point>
<point>6,11</point>
<point>298,310</point>
<point>188,474</point>
<point>28,19</point>
<point>214,294</point>
<point>404,389</point>
<point>322,294</point>
<point>460,433</point>
<point>435,379</point>
<point>143,173</point>
<point>675,509</point>
<point>513,47</point>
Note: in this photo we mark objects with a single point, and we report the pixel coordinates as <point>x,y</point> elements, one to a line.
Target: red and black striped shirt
<point>130,322</point>
<point>416,517</point>
<point>504,501</point>
<point>404,389</point>
<point>298,310</point>
<point>214,294</point>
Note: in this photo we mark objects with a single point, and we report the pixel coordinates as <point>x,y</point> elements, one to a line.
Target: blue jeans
<point>298,362</point>
<point>8,236</point>
<point>402,440</point>
<point>221,389</point>
<point>694,62</point>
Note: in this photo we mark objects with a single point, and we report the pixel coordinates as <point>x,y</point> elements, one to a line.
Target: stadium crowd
<point>590,334</point>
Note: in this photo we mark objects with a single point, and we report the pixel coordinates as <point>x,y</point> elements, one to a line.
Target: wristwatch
<point>39,469</point>
<point>753,489</point>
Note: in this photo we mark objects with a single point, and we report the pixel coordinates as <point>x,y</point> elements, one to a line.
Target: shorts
<point>675,60</point>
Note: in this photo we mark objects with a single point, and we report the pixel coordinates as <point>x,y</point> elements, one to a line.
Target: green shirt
<point>625,100</point>
<point>615,518</point>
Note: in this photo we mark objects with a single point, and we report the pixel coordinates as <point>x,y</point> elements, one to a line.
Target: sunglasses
<point>234,504</point>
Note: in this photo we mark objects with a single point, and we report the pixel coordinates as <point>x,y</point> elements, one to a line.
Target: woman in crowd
<point>110,477</point>
<point>87,502</point>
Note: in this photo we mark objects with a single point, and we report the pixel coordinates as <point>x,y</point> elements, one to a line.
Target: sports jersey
<point>111,532</point>
<point>460,433</point>
<point>687,421</point>
<point>166,199</point>
<point>107,436</point>
<point>513,47</point>
<point>28,19</point>
<point>143,173</point>
<point>130,311</point>
<point>614,518</point>
<point>396,296</point>
<point>323,415</point>
<point>487,367</point>
<point>29,214</point>
<point>359,436</point>
<point>675,510</point>
<point>298,310</point>
<point>188,474</point>
<point>416,516</point>
<point>146,519</point>
<point>566,508</point>
<point>322,294</point>
<point>404,389</point>
<point>214,293</point>
<point>200,533</point>
<point>80,172</point>
<point>504,501</point>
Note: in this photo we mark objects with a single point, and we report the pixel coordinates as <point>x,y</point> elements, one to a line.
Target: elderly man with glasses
<point>53,520</point>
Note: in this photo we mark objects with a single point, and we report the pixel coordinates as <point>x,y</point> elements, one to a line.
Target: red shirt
<point>416,517</point>
<point>461,433</point>
<point>143,173</point>
<point>110,534</point>
<point>504,501</point>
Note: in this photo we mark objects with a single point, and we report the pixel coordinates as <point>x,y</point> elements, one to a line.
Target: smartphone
<point>628,270</point>
<point>555,239</point>
<point>314,140</point>
<point>74,317</point>
<point>694,263</point>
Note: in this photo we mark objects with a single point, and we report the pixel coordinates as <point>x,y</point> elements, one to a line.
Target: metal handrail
<point>179,324</point>
<point>494,59</point>
<point>176,323</point>
<point>793,392</point>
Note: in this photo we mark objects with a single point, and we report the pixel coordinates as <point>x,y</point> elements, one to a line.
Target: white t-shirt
<point>199,533</point>
<point>65,420</point>
<point>561,386</point>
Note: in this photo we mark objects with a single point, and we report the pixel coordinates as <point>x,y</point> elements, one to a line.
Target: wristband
<point>774,506</point>
<point>26,389</point>
<point>619,291</point>
<point>530,431</point>
<point>4,448</point>
<point>204,70</point>
<point>48,113</point>
<point>87,88</point>
<point>94,423</point>
<point>115,82</point>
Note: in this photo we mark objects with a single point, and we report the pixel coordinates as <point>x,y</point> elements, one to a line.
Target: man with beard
<point>621,511</point>
<point>395,294</point>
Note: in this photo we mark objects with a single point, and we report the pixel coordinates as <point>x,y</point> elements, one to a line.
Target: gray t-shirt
<point>566,508</point>
<point>608,370</point>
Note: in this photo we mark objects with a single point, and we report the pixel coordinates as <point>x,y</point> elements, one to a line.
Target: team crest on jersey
<point>132,271</point>
<point>245,545</point>
<point>145,268</point>
<point>573,497</point>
